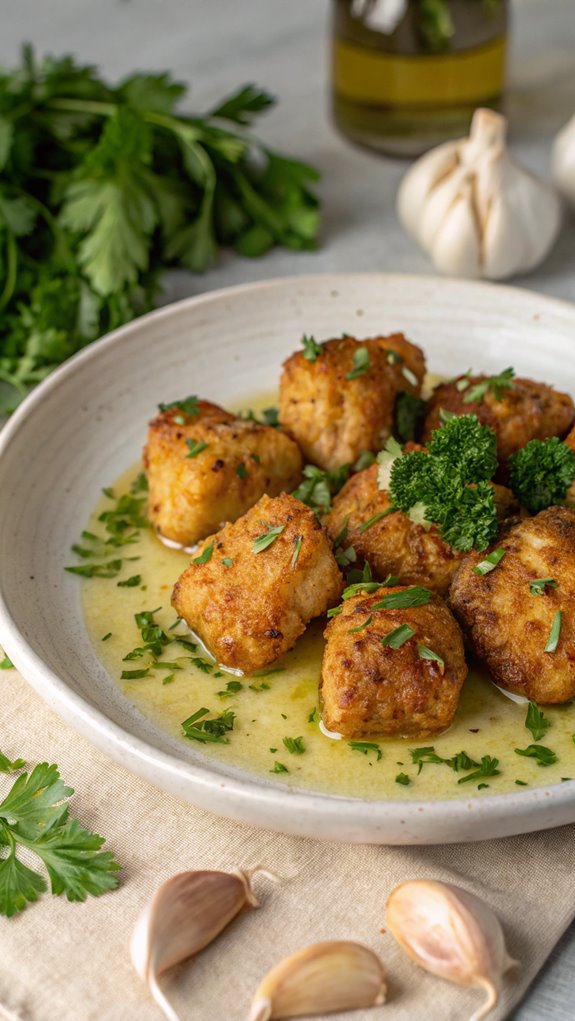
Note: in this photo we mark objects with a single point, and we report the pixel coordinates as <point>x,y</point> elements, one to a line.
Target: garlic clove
<point>324,977</point>
<point>186,913</point>
<point>563,162</point>
<point>452,934</point>
<point>474,210</point>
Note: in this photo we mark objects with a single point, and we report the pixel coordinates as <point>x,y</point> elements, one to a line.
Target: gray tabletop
<point>218,44</point>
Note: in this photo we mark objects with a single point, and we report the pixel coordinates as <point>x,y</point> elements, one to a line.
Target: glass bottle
<point>408,74</point>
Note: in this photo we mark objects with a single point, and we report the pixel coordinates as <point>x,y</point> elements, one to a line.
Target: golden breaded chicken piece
<point>369,688</point>
<point>333,417</point>
<point>524,411</point>
<point>407,361</point>
<point>506,625</point>
<point>209,467</point>
<point>249,607</point>
<point>394,544</point>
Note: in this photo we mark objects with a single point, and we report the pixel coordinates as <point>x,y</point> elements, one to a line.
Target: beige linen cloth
<point>70,961</point>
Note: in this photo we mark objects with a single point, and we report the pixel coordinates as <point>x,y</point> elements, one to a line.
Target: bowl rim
<point>248,791</point>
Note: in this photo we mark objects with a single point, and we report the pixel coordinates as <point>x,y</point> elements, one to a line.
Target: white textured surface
<point>281,45</point>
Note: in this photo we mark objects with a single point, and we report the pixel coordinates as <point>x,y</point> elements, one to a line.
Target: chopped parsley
<point>7,664</point>
<point>424,652</point>
<point>541,473</point>
<point>409,375</point>
<point>311,349</point>
<point>398,637</point>
<point>227,561</point>
<point>267,538</point>
<point>134,675</point>
<point>205,555</point>
<point>241,471</point>
<point>318,487</point>
<point>376,517</point>
<point>132,582</point>
<point>553,640</point>
<point>231,689</point>
<point>213,730</point>
<point>189,405</point>
<point>296,550</point>
<point>294,745</point>
<point>538,585</point>
<point>544,756</point>
<point>279,768</point>
<point>104,639</point>
<point>365,747</point>
<point>361,363</point>
<point>497,385</point>
<point>360,627</point>
<point>415,595</point>
<point>490,562</point>
<point>195,448</point>
<point>365,460</point>
<point>345,557</point>
<point>536,721</point>
<point>488,767</point>
<point>403,778</point>
<point>313,715</point>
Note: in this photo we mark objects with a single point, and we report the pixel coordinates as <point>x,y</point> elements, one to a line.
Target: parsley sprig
<point>449,486</point>
<point>34,816</point>
<point>541,473</point>
<point>102,187</point>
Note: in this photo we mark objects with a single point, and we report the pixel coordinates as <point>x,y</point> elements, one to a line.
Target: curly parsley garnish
<point>541,473</point>
<point>448,486</point>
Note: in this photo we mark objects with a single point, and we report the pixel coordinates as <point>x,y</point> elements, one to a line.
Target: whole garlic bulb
<point>475,211</point>
<point>563,162</point>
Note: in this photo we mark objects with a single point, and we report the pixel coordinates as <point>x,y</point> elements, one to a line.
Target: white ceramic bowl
<point>86,423</point>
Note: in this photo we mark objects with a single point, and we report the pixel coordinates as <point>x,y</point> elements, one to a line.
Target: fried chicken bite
<point>393,543</point>
<point>508,621</point>
<point>205,467</point>
<point>370,688</point>
<point>341,402</point>
<point>522,411</point>
<point>257,583</point>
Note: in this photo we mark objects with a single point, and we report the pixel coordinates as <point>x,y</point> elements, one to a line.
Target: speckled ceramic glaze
<point>86,424</point>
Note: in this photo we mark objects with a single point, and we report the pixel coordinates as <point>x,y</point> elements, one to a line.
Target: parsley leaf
<point>543,755</point>
<point>318,487</point>
<point>35,815</point>
<point>267,538</point>
<point>365,747</point>
<point>361,363</point>
<point>311,349</point>
<point>536,721</point>
<point>295,745</point>
<point>496,384</point>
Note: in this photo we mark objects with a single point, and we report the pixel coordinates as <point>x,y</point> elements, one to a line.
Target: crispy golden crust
<point>508,627</point>
<point>409,361</point>
<point>526,411</point>
<point>368,688</point>
<point>250,612</point>
<point>333,419</point>
<point>192,496</point>
<point>394,544</point>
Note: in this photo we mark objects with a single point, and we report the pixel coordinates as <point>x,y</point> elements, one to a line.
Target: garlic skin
<point>324,977</point>
<point>186,913</point>
<point>563,162</point>
<point>475,211</point>
<point>450,933</point>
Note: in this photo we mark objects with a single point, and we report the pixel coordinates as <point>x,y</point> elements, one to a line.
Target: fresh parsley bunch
<point>34,816</point>
<point>449,486</point>
<point>102,187</point>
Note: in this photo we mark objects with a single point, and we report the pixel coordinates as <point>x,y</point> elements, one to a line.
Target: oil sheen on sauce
<point>282,702</point>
